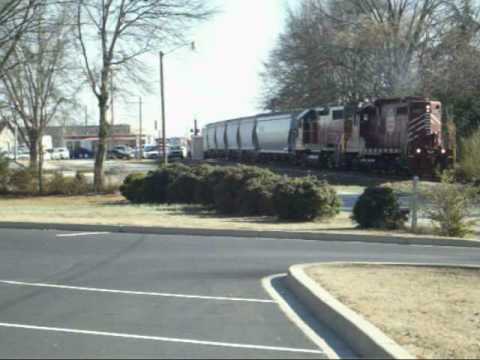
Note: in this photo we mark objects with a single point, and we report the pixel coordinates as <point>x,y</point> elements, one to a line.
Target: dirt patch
<point>431,312</point>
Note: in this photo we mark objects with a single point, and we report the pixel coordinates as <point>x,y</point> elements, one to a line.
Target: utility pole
<point>414,203</point>
<point>140,153</point>
<point>15,142</point>
<point>162,94</point>
<point>112,118</point>
<point>196,131</point>
<point>86,119</point>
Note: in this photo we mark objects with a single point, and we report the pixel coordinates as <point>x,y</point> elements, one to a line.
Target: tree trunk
<point>33,151</point>
<point>101,148</point>
<point>40,167</point>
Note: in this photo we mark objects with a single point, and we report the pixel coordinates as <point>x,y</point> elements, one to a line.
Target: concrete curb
<point>363,337</point>
<point>319,236</point>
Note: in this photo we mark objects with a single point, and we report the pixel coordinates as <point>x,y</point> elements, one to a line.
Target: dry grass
<point>115,210</point>
<point>432,312</point>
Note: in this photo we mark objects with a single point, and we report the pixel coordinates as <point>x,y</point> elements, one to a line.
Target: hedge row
<point>25,182</point>
<point>240,190</point>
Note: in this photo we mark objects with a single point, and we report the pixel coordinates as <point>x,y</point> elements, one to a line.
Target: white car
<point>60,153</point>
<point>177,151</point>
<point>23,153</point>
<point>151,152</point>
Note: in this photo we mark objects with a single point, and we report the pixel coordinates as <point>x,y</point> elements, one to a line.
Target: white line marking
<point>82,234</point>
<point>128,292</point>
<point>159,338</point>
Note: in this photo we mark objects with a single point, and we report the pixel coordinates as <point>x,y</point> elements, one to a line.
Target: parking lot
<point>83,295</point>
<point>74,294</point>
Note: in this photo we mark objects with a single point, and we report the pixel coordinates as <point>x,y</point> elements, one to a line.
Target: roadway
<point>128,295</point>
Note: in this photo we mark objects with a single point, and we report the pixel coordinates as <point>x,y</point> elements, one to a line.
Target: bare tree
<point>15,19</point>
<point>114,33</point>
<point>38,87</point>
<point>349,50</point>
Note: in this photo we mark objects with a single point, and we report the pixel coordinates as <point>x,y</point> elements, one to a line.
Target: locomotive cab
<point>401,132</point>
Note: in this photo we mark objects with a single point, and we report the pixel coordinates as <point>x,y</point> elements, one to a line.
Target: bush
<point>133,188</point>
<point>305,199</point>
<point>209,178</point>
<point>157,183</point>
<point>61,185</point>
<point>469,166</point>
<point>23,182</point>
<point>242,190</point>
<point>183,188</point>
<point>4,174</point>
<point>449,206</point>
<point>256,196</point>
<point>235,190</point>
<point>378,208</point>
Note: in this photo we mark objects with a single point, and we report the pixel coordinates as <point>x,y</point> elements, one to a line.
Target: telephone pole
<point>112,118</point>
<point>162,94</point>
<point>140,152</point>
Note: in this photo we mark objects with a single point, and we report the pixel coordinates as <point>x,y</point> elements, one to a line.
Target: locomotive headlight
<point>444,151</point>
<point>428,108</point>
<point>419,151</point>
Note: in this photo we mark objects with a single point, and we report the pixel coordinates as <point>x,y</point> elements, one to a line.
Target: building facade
<point>7,138</point>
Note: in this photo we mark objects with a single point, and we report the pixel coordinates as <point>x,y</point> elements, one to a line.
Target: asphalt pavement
<point>125,295</point>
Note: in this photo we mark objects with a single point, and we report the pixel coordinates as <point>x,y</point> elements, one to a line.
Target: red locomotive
<point>392,134</point>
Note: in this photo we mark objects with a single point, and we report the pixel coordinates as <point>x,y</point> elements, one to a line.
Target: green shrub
<point>133,188</point>
<point>23,182</point>
<point>227,190</point>
<point>469,167</point>
<point>183,188</point>
<point>157,183</point>
<point>4,174</point>
<point>450,205</point>
<point>378,207</point>
<point>209,179</point>
<point>235,190</point>
<point>256,195</point>
<point>304,199</point>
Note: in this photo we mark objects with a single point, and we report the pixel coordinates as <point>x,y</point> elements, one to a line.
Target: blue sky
<point>220,80</point>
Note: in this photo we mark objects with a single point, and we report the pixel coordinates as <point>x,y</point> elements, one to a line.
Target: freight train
<point>400,135</point>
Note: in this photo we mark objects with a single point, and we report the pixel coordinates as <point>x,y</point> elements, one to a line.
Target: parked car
<point>121,152</point>
<point>151,152</point>
<point>22,153</point>
<point>83,153</point>
<point>177,152</point>
<point>47,155</point>
<point>60,153</point>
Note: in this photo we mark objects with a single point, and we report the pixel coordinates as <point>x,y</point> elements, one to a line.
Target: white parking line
<point>128,292</point>
<point>160,338</point>
<point>82,234</point>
